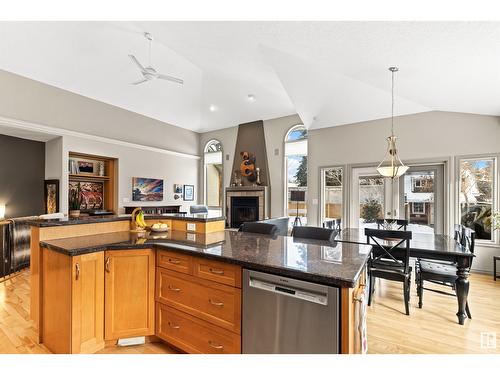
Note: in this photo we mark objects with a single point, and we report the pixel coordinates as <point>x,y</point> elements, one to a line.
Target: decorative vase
<point>101,168</point>
<point>257,180</point>
<point>74,213</point>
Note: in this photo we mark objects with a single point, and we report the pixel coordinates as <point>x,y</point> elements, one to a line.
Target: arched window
<point>212,160</point>
<point>296,173</point>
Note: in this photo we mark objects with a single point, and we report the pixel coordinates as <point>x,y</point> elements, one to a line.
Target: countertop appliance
<point>288,316</point>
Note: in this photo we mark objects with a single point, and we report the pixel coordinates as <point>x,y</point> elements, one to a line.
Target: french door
<point>417,196</point>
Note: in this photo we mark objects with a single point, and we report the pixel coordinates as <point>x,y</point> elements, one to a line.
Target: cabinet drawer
<point>213,302</point>
<point>220,272</point>
<point>194,335</point>
<point>174,261</point>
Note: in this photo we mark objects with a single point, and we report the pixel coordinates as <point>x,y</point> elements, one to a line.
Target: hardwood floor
<point>432,329</point>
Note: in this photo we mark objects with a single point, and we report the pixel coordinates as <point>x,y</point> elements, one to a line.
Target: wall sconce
<point>2,211</point>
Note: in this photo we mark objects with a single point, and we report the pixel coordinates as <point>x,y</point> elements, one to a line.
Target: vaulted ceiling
<point>330,73</point>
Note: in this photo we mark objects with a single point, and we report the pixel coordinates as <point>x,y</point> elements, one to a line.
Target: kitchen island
<point>181,287</point>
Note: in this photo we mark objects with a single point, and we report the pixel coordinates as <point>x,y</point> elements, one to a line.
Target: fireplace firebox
<point>244,209</point>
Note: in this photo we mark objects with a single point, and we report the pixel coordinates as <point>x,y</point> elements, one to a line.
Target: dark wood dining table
<point>433,247</point>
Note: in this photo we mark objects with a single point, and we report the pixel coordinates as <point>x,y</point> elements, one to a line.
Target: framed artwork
<point>189,192</point>
<point>177,188</point>
<point>92,193</point>
<point>85,167</point>
<point>147,189</point>
<point>51,196</point>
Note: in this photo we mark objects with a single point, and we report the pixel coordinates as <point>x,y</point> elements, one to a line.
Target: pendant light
<point>392,166</point>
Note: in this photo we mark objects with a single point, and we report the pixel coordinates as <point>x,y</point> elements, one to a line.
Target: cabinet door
<point>87,330</point>
<point>129,293</point>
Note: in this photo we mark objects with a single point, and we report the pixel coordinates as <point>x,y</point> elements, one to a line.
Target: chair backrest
<point>465,237</point>
<point>280,222</point>
<point>400,223</point>
<point>198,209</point>
<point>400,255</point>
<point>333,224</point>
<point>314,233</point>
<point>261,228</point>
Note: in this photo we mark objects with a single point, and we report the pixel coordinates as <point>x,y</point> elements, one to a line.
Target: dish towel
<point>360,314</point>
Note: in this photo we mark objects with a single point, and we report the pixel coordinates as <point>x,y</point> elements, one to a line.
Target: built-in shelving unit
<point>98,184</point>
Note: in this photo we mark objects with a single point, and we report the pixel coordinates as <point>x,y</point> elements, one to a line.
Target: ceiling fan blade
<point>170,78</point>
<point>139,82</point>
<point>136,62</point>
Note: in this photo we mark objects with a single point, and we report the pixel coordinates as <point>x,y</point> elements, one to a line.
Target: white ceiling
<point>330,73</point>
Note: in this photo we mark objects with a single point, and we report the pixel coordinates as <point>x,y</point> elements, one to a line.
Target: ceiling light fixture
<point>392,166</point>
<point>251,98</point>
<point>213,108</point>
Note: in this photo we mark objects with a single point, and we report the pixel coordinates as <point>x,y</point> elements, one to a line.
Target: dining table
<point>433,247</point>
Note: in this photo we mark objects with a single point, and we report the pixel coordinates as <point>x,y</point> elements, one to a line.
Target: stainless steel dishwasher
<point>283,315</point>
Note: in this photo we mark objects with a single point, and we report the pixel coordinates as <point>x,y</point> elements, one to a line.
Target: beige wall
<point>25,99</point>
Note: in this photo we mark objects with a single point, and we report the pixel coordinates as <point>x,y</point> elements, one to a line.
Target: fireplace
<point>244,209</point>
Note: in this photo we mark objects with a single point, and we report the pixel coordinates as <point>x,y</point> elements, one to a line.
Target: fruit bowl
<point>159,227</point>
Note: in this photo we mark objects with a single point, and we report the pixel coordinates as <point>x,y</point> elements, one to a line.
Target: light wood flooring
<point>433,329</point>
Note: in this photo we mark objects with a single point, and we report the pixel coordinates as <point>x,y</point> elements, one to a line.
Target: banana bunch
<point>139,220</point>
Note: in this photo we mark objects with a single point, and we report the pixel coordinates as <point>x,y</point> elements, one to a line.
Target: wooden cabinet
<point>198,305</point>
<point>72,302</point>
<point>129,291</point>
<point>87,303</point>
<point>194,335</point>
<point>213,302</point>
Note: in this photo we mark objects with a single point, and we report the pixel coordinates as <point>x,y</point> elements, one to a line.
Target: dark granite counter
<point>338,264</point>
<point>107,218</point>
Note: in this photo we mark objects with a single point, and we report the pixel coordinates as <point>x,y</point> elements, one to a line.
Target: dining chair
<point>443,273</point>
<point>260,228</point>
<point>314,233</point>
<point>401,224</point>
<point>389,259</point>
<point>198,209</point>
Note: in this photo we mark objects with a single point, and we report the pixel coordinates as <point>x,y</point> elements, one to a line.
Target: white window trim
<point>413,211</point>
<point>495,237</point>
<point>208,143</point>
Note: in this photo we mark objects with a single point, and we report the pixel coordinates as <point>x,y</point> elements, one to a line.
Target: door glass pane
<point>476,195</point>
<point>419,200</point>
<point>296,188</point>
<point>371,200</point>
<point>332,193</point>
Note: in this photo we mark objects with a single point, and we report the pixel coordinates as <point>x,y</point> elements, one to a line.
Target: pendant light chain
<point>392,105</point>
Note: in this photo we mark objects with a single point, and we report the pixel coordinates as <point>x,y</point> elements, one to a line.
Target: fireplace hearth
<point>246,203</point>
<point>244,209</point>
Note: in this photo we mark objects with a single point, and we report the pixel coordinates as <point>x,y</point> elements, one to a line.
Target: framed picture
<point>86,167</point>
<point>51,196</point>
<point>177,188</point>
<point>92,193</point>
<point>147,189</point>
<point>189,192</point>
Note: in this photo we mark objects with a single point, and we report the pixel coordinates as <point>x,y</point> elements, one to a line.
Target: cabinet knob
<point>215,346</point>
<point>107,264</point>
<point>174,261</point>
<point>216,271</point>
<point>174,289</point>
<point>215,303</point>
<point>173,326</point>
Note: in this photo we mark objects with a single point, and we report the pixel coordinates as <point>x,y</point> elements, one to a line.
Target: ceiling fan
<point>148,72</point>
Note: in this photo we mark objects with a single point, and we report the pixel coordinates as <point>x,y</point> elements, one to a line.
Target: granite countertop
<point>338,264</point>
<point>107,218</point>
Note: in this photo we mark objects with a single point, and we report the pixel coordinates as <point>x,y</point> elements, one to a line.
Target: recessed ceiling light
<point>251,98</point>
<point>213,108</point>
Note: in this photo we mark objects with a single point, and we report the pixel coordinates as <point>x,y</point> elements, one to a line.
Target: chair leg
<point>467,310</point>
<point>407,295</point>
<point>420,288</point>
<point>370,290</point>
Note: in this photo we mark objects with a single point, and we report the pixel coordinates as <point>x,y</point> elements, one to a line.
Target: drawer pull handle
<point>218,304</point>
<point>77,271</point>
<point>174,261</point>
<point>174,289</point>
<point>107,264</point>
<point>173,326</point>
<point>215,346</point>
<point>216,271</point>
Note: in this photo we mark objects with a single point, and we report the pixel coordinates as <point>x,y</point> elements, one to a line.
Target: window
<point>296,173</point>
<point>418,208</point>
<point>477,194</point>
<point>331,193</point>
<point>213,174</point>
